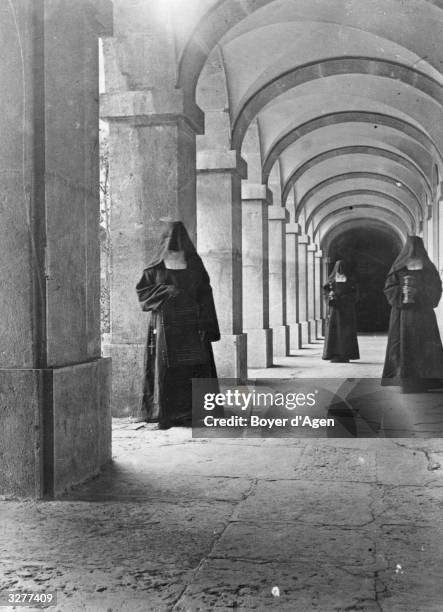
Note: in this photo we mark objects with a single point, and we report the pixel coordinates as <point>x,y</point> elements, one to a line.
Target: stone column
<point>219,219</point>
<point>278,217</point>
<point>255,261</point>
<point>152,150</point>
<point>312,291</point>
<point>318,293</point>
<point>292,231</point>
<point>54,386</point>
<point>302,268</point>
<point>439,309</point>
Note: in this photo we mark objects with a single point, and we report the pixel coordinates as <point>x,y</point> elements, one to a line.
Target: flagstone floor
<point>186,524</point>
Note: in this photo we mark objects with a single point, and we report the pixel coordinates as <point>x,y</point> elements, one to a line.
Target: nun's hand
<point>174,291</point>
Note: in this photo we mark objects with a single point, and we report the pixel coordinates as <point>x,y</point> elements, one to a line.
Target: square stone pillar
<point>439,309</point>
<point>292,231</point>
<point>277,219</point>
<point>303,297</point>
<point>219,242</point>
<point>319,320</point>
<point>312,291</point>
<point>54,385</point>
<point>255,261</point>
<point>152,152</point>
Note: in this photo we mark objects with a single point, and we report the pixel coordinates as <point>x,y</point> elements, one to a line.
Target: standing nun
<point>341,293</point>
<point>175,291</point>
<point>414,354</point>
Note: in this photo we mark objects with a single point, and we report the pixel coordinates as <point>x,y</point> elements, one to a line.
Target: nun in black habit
<point>341,293</point>
<point>414,354</point>
<point>176,292</point>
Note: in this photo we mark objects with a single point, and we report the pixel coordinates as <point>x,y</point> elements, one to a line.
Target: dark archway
<point>372,252</point>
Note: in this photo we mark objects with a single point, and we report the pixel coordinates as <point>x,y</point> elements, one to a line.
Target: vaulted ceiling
<point>344,95</point>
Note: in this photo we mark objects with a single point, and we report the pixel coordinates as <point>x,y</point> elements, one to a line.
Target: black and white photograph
<point>221,311</point>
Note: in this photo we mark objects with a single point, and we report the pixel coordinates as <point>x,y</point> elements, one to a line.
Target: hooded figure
<point>341,293</point>
<point>175,290</point>
<point>414,354</point>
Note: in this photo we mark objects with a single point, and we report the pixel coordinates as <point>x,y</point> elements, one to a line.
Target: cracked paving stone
<point>406,466</point>
<point>415,505</point>
<point>217,524</point>
<point>410,559</point>
<point>112,534</point>
<point>228,585</point>
<point>195,460</point>
<point>286,542</point>
<point>344,464</point>
<point>308,502</point>
<point>131,482</point>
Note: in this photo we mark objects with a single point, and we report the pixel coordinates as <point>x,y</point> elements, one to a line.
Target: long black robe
<point>167,390</point>
<point>414,353</point>
<point>341,325</point>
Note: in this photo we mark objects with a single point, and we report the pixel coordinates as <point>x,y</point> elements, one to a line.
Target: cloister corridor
<point>281,136</point>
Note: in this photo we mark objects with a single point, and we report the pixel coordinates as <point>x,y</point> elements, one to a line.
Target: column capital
<point>429,212</point>
<point>150,107</point>
<point>279,213</point>
<point>319,254</point>
<point>312,248</point>
<point>293,228</point>
<point>256,191</point>
<point>222,160</point>
<point>304,239</point>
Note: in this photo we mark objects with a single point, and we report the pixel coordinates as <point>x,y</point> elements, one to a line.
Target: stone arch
<point>339,219</point>
<point>256,100</point>
<point>382,197</point>
<point>381,226</point>
<point>220,17</point>
<point>285,140</point>
<point>350,176</point>
<point>212,96</point>
<point>356,149</point>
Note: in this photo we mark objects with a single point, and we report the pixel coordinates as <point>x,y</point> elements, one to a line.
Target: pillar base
<point>127,378</point>
<point>259,348</point>
<point>304,333</point>
<point>280,340</point>
<point>230,354</point>
<point>295,340</point>
<point>56,427</point>
<point>319,329</point>
<point>312,330</point>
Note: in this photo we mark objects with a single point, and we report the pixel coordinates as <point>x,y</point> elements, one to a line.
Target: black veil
<point>341,266</point>
<point>174,237</point>
<point>413,247</point>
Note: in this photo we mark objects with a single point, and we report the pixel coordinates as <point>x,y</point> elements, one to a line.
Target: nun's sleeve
<point>153,295</point>
<point>208,318</point>
<point>431,293</point>
<point>393,290</point>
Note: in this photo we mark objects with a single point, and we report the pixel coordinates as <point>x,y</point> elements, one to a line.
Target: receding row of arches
<point>281,132</point>
<point>292,131</point>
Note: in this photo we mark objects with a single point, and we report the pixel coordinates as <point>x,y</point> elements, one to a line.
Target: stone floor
<point>183,524</point>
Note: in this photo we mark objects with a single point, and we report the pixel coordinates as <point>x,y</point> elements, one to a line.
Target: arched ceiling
<point>347,96</point>
<point>342,220</point>
<point>347,201</point>
<point>372,226</point>
<point>359,186</point>
<point>337,139</point>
